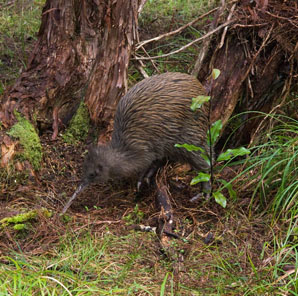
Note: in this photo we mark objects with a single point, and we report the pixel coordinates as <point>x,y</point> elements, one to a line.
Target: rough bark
<point>110,72</point>
<point>59,65</point>
<point>258,63</point>
<point>227,88</point>
<point>80,44</point>
<point>73,35</point>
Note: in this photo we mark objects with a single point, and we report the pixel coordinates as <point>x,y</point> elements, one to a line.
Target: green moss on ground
<point>79,126</point>
<point>19,227</point>
<point>29,139</point>
<point>19,221</point>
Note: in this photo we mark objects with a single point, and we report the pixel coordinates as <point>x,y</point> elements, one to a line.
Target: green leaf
<point>215,131</point>
<point>163,285</point>
<point>215,73</point>
<point>191,148</point>
<point>220,199</point>
<point>240,151</point>
<point>228,185</point>
<point>201,177</point>
<point>198,101</point>
<point>233,153</point>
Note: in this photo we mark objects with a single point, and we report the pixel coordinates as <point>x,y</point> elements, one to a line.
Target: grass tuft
<point>19,24</point>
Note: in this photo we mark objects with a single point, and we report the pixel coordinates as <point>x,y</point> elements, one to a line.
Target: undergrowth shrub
<point>214,130</point>
<point>273,168</point>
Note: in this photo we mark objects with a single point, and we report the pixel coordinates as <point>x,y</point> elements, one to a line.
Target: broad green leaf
<point>191,148</point>
<point>215,73</point>
<point>228,185</point>
<point>215,130</point>
<point>198,101</point>
<point>201,177</point>
<point>220,199</point>
<point>233,153</point>
<point>240,151</point>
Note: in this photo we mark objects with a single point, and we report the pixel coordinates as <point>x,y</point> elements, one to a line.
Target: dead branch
<point>140,44</point>
<point>189,44</point>
<point>152,62</point>
<point>249,26</point>
<point>142,70</point>
<point>226,28</point>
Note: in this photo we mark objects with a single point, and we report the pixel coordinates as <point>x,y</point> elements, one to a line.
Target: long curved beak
<point>79,189</point>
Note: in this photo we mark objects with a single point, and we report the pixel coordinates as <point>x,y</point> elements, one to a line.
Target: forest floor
<point>96,247</point>
<point>218,252</point>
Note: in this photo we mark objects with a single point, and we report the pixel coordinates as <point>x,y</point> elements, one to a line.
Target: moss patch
<point>79,126</point>
<point>29,139</point>
<point>19,221</point>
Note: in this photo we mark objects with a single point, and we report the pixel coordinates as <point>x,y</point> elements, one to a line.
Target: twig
<point>187,45</point>
<point>141,6</point>
<point>140,44</point>
<point>152,62</point>
<point>49,10</point>
<point>55,124</point>
<point>206,42</point>
<point>280,17</point>
<point>226,28</point>
<point>289,272</point>
<point>258,52</point>
<point>250,87</point>
<point>249,26</point>
<point>141,69</point>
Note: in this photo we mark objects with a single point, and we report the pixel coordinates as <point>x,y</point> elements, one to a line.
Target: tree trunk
<point>78,42</point>
<point>258,63</point>
<point>83,48</point>
<point>109,76</point>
